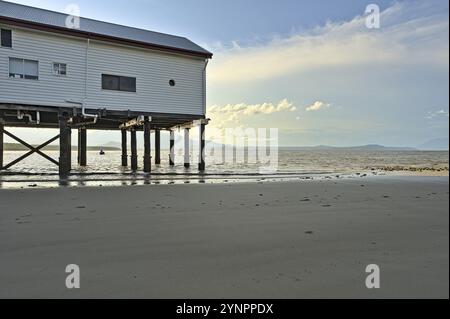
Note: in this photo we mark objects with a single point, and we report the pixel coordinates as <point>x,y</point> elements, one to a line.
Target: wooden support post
<point>147,146</point>
<point>157,147</point>
<point>1,145</point>
<point>65,147</point>
<point>134,157</point>
<point>172,149</point>
<point>82,146</point>
<point>79,147</point>
<point>124,148</point>
<point>201,163</point>
<point>187,152</point>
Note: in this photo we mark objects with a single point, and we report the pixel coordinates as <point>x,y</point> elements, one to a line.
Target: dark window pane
<point>110,82</point>
<point>127,84</point>
<point>59,68</point>
<point>63,69</point>
<point>31,77</point>
<point>6,38</point>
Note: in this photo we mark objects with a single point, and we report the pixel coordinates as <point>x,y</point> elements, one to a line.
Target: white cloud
<point>437,114</point>
<point>230,115</point>
<point>408,35</point>
<point>318,105</point>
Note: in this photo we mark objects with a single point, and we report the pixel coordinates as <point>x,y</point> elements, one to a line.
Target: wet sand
<point>305,239</point>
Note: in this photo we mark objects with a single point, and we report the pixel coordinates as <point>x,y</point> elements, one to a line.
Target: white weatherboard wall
<point>49,90</point>
<point>152,69</point>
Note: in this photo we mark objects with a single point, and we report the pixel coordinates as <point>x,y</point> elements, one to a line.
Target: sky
<point>310,68</point>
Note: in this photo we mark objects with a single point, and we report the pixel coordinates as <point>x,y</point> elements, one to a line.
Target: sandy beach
<point>305,239</point>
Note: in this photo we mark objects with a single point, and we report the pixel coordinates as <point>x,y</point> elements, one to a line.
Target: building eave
<point>100,37</point>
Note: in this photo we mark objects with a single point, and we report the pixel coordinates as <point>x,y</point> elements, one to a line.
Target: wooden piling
<point>124,148</point>
<point>79,147</point>
<point>202,164</point>
<point>82,146</point>
<point>172,148</point>
<point>134,157</point>
<point>157,147</point>
<point>147,146</point>
<point>187,152</point>
<point>1,145</point>
<point>65,147</point>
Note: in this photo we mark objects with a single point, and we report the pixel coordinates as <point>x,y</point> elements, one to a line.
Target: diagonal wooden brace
<point>32,150</point>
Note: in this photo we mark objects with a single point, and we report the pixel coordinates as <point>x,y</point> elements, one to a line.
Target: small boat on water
<point>102,152</point>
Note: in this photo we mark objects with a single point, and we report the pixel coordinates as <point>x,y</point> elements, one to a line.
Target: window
<point>127,84</point>
<point>6,38</point>
<point>118,83</point>
<point>60,69</point>
<point>23,69</point>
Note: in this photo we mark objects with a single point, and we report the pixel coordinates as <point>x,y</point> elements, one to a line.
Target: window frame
<point>119,78</point>
<point>10,38</point>
<point>23,76</point>
<point>59,69</point>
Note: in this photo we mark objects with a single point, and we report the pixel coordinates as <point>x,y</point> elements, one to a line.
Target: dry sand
<point>308,239</point>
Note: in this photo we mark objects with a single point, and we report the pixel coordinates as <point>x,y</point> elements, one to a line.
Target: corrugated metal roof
<point>58,20</point>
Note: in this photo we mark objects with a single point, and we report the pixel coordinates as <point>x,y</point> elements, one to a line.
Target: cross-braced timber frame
<point>32,149</point>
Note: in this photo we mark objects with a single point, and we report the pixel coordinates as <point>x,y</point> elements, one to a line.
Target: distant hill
<point>370,147</point>
<point>20,147</point>
<point>114,145</point>
<point>437,144</point>
<point>376,147</point>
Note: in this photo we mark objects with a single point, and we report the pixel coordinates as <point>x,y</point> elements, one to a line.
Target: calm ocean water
<point>106,169</point>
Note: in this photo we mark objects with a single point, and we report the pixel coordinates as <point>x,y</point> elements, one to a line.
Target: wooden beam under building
<point>139,121</point>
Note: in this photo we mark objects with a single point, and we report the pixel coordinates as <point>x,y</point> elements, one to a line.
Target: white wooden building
<point>89,74</point>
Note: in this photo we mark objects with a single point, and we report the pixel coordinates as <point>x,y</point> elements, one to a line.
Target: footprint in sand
<point>20,221</point>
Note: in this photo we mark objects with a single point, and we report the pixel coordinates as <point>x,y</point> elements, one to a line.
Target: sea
<point>106,170</point>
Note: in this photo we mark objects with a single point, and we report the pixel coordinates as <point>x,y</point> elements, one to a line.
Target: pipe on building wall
<point>21,116</point>
<point>86,70</point>
<point>83,109</point>
<point>84,102</point>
